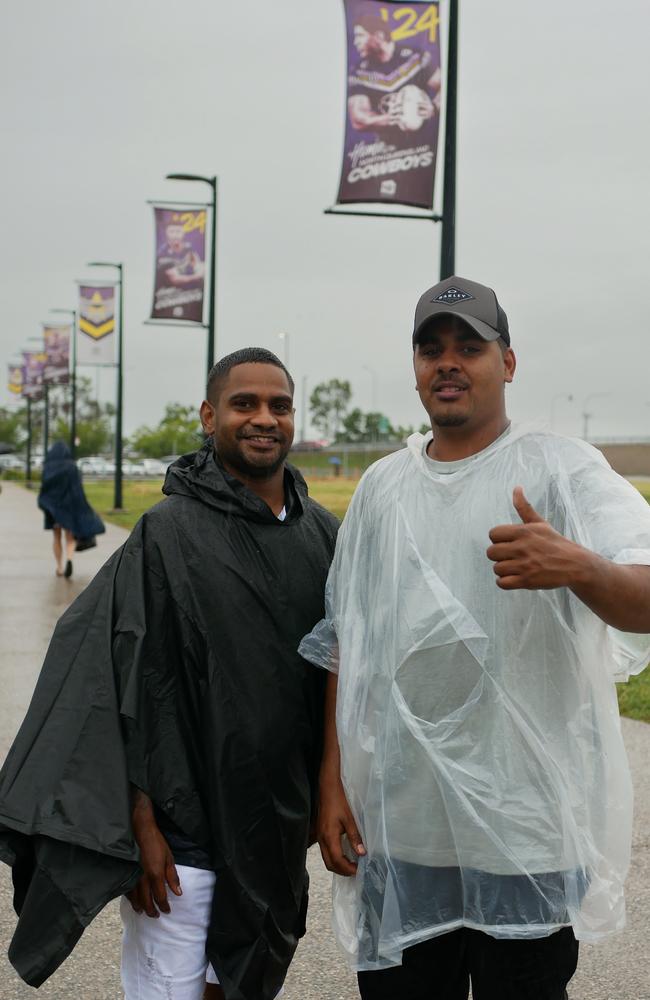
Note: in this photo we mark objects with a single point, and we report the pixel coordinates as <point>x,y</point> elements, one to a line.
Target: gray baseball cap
<point>475,304</point>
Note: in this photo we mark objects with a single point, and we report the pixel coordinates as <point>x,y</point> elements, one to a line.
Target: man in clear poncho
<point>489,584</point>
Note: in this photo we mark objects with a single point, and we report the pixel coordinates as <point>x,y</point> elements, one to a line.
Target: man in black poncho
<point>174,714</point>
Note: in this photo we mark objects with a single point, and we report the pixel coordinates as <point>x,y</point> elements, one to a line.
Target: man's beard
<point>449,419</point>
<point>237,461</point>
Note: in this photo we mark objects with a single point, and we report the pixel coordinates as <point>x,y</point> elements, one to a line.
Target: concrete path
<point>31,600</point>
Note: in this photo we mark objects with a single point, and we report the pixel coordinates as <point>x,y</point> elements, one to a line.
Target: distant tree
<point>328,403</point>
<point>93,420</point>
<point>352,427</point>
<point>402,433</point>
<point>94,426</point>
<point>178,432</point>
<point>358,427</point>
<point>13,426</point>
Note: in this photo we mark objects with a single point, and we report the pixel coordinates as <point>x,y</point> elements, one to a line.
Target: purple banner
<point>33,368</point>
<point>56,340</point>
<point>180,265</point>
<point>393,103</point>
<point>15,379</point>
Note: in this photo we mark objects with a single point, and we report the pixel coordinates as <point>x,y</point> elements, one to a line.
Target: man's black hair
<point>247,355</point>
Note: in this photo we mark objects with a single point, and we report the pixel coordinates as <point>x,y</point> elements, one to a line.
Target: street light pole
<point>448,238</point>
<point>28,456</point>
<point>554,399</point>
<point>586,416</point>
<point>284,337</point>
<point>117,487</point>
<point>212,328</point>
<point>73,379</point>
<point>46,419</point>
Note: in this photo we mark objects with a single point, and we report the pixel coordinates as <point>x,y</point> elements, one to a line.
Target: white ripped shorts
<point>163,958</point>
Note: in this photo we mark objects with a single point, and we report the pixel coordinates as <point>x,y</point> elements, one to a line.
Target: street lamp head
<point>190,177</point>
<point>102,263</point>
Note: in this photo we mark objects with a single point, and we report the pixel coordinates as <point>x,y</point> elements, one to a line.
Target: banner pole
<point>212,333</point>
<point>73,378</point>
<point>448,240</point>
<point>73,386</point>
<point>46,419</point>
<point>28,469</point>
<point>117,499</point>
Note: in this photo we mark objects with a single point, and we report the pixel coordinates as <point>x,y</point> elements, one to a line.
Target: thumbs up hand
<point>533,555</point>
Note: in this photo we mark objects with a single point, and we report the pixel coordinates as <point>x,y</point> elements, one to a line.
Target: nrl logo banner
<point>15,379</point>
<point>33,368</point>
<point>96,336</point>
<point>56,340</point>
<point>180,265</point>
<point>393,103</point>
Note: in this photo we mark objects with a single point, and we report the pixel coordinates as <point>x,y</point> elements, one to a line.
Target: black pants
<point>499,969</point>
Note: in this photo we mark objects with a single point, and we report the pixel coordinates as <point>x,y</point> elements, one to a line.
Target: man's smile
<point>261,440</point>
<point>448,390</point>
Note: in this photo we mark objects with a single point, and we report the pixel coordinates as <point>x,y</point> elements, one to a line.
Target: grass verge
<point>634,697</point>
<point>334,494</point>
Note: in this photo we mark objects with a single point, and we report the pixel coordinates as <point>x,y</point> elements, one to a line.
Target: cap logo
<point>452,295</point>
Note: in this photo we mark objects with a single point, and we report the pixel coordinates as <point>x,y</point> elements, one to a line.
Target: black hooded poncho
<point>177,671</point>
<point>61,497</point>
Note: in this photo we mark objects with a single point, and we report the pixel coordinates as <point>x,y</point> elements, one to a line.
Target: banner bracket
<point>175,322</point>
<point>178,204</point>
<point>429,217</point>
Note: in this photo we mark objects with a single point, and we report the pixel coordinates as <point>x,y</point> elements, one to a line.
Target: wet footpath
<point>31,600</point>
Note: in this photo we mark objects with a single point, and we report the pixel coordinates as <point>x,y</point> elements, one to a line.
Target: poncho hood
<point>201,476</point>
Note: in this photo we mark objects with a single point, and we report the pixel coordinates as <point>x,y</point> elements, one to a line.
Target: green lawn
<point>634,696</point>
<point>335,494</point>
<point>136,498</point>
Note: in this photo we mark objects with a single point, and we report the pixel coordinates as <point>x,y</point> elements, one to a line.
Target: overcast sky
<point>100,101</point>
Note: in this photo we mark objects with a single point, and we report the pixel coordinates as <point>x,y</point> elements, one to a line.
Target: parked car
<point>310,445</point>
<point>93,465</point>
<point>11,462</point>
<point>154,467</point>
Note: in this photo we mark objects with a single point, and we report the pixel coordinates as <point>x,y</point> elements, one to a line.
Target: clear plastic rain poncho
<point>480,740</point>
